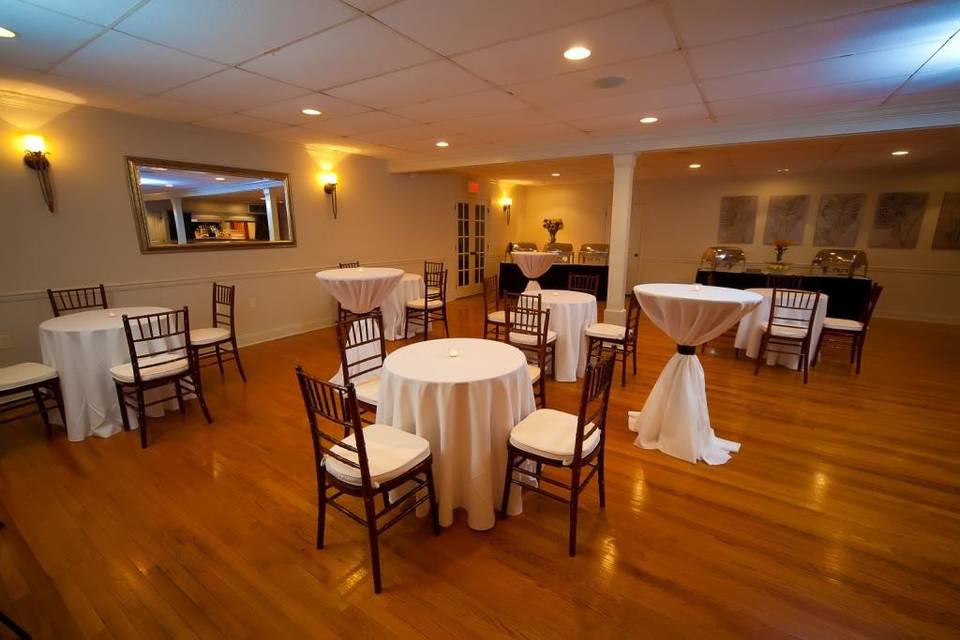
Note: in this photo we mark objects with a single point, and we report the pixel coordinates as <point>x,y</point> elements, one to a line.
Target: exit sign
<point>473,186</point>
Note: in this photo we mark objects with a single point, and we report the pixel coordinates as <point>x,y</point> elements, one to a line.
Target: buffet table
<point>512,279</point>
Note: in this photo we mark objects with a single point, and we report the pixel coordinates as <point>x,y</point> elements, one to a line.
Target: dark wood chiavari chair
<point>584,283</point>
<point>34,385</point>
<point>432,266</point>
<point>420,312</point>
<point>494,318</point>
<point>362,352</point>
<point>528,329</point>
<point>561,440</point>
<point>789,328</point>
<point>365,463</point>
<point>66,300</point>
<point>784,281</point>
<point>622,340</point>
<point>161,354</point>
<point>350,265</point>
<point>220,340</point>
<point>841,332</point>
<point>343,314</point>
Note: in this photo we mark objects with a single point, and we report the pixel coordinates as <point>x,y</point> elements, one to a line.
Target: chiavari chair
<point>66,300</point>
<point>420,312</point>
<point>220,340</point>
<point>789,328</point>
<point>784,282</point>
<point>33,385</point>
<point>841,332</point>
<point>584,283</point>
<point>551,438</point>
<point>528,329</point>
<point>161,354</point>
<point>350,265</point>
<point>365,463</point>
<point>432,266</point>
<point>343,314</point>
<point>363,349</point>
<point>494,318</point>
<point>623,340</point>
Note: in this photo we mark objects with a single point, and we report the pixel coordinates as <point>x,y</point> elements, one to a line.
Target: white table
<point>749,333</point>
<point>571,312</point>
<point>675,418</point>
<point>465,406</point>
<point>394,306</point>
<point>360,289</point>
<point>82,347</point>
<point>533,264</point>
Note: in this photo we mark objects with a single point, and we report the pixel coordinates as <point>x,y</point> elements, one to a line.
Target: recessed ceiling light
<point>168,186</point>
<point>6,33</point>
<point>784,170</point>
<point>648,119</point>
<point>577,53</point>
<point>555,175</point>
<point>219,178</point>
<point>695,165</point>
<point>311,112</point>
<point>442,143</point>
<point>901,152</point>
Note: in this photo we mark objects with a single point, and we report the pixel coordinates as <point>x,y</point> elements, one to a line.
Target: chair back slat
<point>633,317</point>
<point>64,300</point>
<point>584,283</point>
<point>525,316</point>
<point>435,285</point>
<point>793,308</point>
<point>784,282</point>
<point>363,347</point>
<point>224,306</point>
<point>594,399</point>
<point>350,265</point>
<point>157,334</point>
<point>491,298</point>
<point>431,266</point>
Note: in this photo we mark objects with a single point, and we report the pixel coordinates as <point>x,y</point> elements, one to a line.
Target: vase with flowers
<point>779,248</point>
<point>553,225</point>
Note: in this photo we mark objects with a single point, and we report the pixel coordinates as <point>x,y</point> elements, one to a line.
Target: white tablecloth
<point>675,418</point>
<point>533,264</point>
<point>571,312</point>
<point>394,305</point>
<point>361,289</point>
<point>750,332</point>
<point>465,406</point>
<point>82,347</point>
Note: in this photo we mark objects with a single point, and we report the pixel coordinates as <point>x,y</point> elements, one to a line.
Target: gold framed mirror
<point>185,206</point>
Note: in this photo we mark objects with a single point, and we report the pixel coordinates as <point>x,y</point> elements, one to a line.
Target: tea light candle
<point>359,268</point>
<point>556,293</point>
<point>111,315</point>
<point>453,353</point>
<point>696,287</point>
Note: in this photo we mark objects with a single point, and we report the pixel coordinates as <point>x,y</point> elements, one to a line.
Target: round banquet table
<point>750,332</point>
<point>674,418</point>
<point>82,347</point>
<point>360,289</point>
<point>465,406</point>
<point>533,264</point>
<point>571,312</point>
<point>394,306</point>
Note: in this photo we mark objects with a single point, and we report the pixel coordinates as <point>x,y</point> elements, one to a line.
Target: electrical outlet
<point>6,342</point>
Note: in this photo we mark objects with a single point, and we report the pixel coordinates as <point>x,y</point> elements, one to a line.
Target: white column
<point>273,220</point>
<point>619,237</point>
<point>178,220</point>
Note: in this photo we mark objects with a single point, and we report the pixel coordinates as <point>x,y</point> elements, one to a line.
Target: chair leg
<point>543,390</point>
<point>623,370</point>
<point>236,358</point>
<point>198,391</point>
<point>432,495</point>
<point>505,499</point>
<point>633,352</point>
<point>805,356</point>
<point>426,324</point>
<point>760,355</point>
<point>42,408</point>
<point>859,339</point>
<point>216,348</point>
<point>853,351</point>
<point>123,406</point>
<point>600,478</point>
<point>574,500</point>
<point>321,508</point>
<point>371,512</point>
<point>58,396</point>
<point>179,391</point>
<point>446,327</point>
<point>142,418</point>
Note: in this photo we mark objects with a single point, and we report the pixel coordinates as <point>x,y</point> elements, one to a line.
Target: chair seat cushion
<point>782,331</point>
<point>391,452</point>
<point>534,372</point>
<point>605,330</point>
<point>170,364</point>
<point>417,303</point>
<point>209,335</point>
<point>499,317</point>
<point>842,324</point>
<point>551,434</point>
<point>526,338</point>
<point>25,373</point>
<point>368,391</point>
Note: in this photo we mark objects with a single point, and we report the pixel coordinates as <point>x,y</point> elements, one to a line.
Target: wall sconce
<point>330,188</point>
<point>35,157</point>
<point>506,202</point>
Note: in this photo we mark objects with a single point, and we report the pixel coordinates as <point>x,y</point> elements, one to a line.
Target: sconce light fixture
<point>506,202</point>
<point>35,157</point>
<point>330,188</point>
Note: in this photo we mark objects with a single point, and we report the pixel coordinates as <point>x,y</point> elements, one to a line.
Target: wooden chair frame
<point>782,302</point>
<point>338,405</point>
<point>167,326</point>
<point>434,288</point>
<point>45,396</point>
<point>357,332</point>
<point>594,400</point>
<point>77,299</point>
<point>343,314</point>
<point>626,346</point>
<point>525,315</point>
<point>491,304</point>
<point>350,265</point>
<point>840,337</point>
<point>783,281</point>
<point>583,282</point>
<point>224,315</point>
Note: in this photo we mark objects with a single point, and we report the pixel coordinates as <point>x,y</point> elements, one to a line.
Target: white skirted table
<point>82,347</point>
<point>749,333</point>
<point>571,312</point>
<point>463,395</point>
<point>674,418</point>
<point>394,306</point>
<point>360,289</point>
<point>533,264</point>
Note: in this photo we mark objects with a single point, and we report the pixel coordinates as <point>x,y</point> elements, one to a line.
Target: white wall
<point>673,221</point>
<point>384,219</point>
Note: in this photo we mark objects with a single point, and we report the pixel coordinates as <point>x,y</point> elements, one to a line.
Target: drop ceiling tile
<point>903,25</point>
<point>235,90</point>
<point>552,132</point>
<point>353,51</point>
<point>133,64</point>
<point>510,121</point>
<point>639,104</point>
<point>854,68</point>
<point>638,32</point>
<point>928,95</point>
<point>290,111</point>
<point>174,110</point>
<point>455,27</point>
<point>458,144</point>
<point>855,95</point>
<point>43,37</point>
<point>405,134</point>
<point>238,123</point>
<point>233,31</point>
<point>91,94</point>
<point>428,81</point>
<point>102,12</point>
<point>629,123</point>
<point>369,5</point>
<point>941,73</point>
<point>359,124</point>
<point>469,105</point>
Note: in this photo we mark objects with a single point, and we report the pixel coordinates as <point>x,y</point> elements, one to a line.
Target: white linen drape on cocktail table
<point>533,264</point>
<point>674,418</point>
<point>571,312</point>
<point>465,406</point>
<point>749,333</point>
<point>360,289</point>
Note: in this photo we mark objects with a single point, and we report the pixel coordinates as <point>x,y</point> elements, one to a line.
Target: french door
<point>471,246</point>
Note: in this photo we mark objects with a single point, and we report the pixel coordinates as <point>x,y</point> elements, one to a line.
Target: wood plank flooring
<point>840,518</point>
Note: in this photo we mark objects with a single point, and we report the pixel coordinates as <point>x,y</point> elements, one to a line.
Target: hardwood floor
<point>839,518</point>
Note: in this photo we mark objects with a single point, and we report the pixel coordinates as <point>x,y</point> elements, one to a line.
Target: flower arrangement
<point>553,225</point>
<point>780,247</point>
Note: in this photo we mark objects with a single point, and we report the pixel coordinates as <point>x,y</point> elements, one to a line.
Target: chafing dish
<point>839,262</point>
<point>564,251</point>
<point>723,259</point>
<point>594,253</point>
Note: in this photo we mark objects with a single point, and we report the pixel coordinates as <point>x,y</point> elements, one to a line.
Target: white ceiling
<point>394,77</point>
